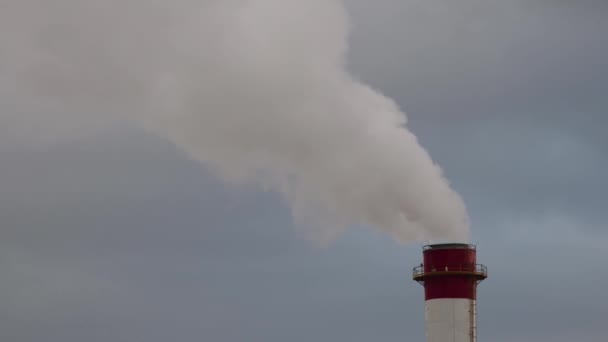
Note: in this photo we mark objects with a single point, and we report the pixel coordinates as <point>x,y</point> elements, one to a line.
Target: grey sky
<point>120,237</point>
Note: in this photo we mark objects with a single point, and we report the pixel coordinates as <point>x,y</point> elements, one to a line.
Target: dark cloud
<point>507,96</point>
<point>465,60</point>
<point>173,262</point>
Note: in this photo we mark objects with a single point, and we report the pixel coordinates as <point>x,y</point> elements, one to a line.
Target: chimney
<point>450,275</point>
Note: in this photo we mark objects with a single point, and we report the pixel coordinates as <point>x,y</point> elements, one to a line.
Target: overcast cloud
<point>121,237</point>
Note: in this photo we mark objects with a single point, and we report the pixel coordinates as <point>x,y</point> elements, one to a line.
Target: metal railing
<point>477,270</point>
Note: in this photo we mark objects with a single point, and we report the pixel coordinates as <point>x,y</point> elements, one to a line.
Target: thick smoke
<point>255,89</point>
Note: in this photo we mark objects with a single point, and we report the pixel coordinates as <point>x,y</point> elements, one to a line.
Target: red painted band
<point>449,285</point>
<point>440,258</point>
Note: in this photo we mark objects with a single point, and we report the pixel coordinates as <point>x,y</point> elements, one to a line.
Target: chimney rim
<point>449,246</point>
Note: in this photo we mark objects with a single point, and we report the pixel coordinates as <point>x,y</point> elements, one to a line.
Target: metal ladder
<point>473,320</point>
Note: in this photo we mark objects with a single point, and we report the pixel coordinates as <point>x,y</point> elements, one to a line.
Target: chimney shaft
<point>450,275</point>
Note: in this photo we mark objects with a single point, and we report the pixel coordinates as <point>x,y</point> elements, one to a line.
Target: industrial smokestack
<point>450,276</point>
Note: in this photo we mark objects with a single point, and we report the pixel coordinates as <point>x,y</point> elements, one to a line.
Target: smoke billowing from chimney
<point>256,90</point>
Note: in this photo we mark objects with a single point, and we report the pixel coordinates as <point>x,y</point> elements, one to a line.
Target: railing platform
<point>478,271</point>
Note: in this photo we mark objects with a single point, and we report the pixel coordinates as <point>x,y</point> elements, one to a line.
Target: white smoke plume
<point>255,89</point>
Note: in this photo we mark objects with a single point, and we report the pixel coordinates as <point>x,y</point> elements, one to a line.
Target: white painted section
<point>451,320</point>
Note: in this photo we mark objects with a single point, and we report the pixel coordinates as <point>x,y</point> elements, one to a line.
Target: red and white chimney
<point>450,275</point>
